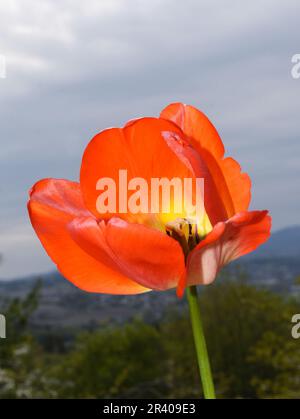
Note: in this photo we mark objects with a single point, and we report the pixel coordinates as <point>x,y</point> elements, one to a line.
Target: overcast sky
<point>75,67</point>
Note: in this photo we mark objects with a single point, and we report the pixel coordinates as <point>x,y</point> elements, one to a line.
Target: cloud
<point>74,68</point>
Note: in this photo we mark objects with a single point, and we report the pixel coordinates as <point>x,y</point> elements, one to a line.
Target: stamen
<point>185,232</point>
<point>177,230</point>
<point>197,234</point>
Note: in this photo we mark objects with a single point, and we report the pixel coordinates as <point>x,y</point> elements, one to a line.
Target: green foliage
<point>237,319</point>
<point>19,354</point>
<point>277,361</point>
<point>113,362</point>
<point>249,340</point>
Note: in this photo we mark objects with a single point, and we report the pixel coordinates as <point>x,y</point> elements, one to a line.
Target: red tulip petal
<point>234,187</point>
<point>144,148</point>
<point>52,206</point>
<point>155,260</point>
<point>228,241</point>
<point>148,256</point>
<point>196,126</point>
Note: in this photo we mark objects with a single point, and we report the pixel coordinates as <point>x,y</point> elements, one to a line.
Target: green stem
<point>200,344</point>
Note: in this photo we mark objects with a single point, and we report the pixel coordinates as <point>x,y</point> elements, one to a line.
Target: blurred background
<point>70,69</point>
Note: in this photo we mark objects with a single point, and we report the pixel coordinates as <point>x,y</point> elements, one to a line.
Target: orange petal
<point>144,147</point>
<point>233,186</point>
<point>53,205</point>
<point>228,241</point>
<point>148,256</point>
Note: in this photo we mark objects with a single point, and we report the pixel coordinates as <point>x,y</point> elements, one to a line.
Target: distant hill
<point>63,306</point>
<point>284,243</point>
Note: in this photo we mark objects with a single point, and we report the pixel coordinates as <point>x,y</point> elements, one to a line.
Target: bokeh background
<point>74,68</point>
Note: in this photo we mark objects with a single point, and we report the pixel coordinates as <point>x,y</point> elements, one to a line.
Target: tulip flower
<point>132,252</point>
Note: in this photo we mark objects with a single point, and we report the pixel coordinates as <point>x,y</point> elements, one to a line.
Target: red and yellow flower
<point>125,253</point>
